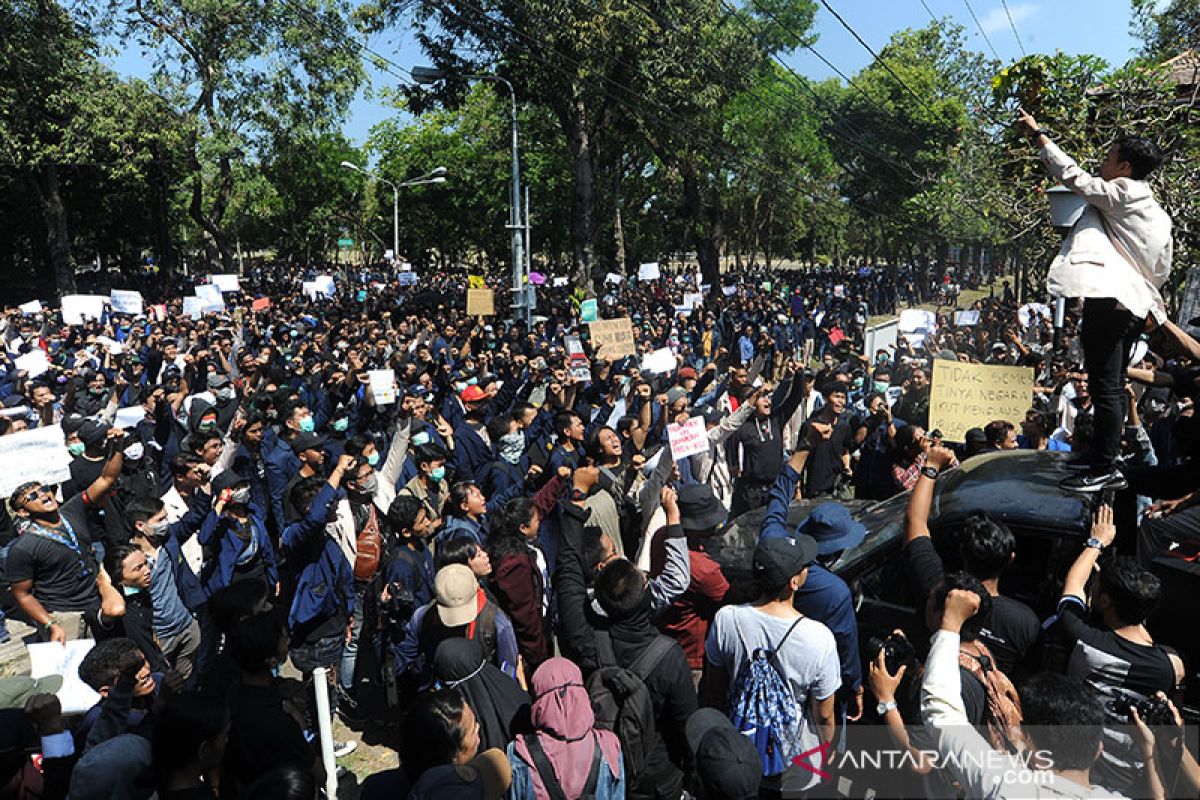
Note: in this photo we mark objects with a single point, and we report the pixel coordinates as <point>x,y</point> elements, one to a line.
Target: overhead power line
<point>1013,25</point>
<point>979,25</point>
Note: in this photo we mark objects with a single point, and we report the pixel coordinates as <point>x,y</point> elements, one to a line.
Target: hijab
<point>565,726</point>
<point>501,706</point>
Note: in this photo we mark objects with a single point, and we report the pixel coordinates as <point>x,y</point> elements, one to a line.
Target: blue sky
<point>1100,27</point>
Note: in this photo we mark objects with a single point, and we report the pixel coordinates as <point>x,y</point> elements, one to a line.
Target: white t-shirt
<point>808,660</point>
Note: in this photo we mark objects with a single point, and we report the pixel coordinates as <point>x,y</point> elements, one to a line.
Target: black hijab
<point>499,703</point>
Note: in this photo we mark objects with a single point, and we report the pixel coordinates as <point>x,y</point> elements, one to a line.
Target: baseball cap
<point>976,436</point>
<point>712,415</point>
<point>93,433</point>
<point>726,762</point>
<point>687,372</point>
<point>307,441</point>
<point>72,422</point>
<point>457,592</point>
<point>485,777</point>
<point>217,381</point>
<point>778,560</point>
<point>473,394</point>
<point>227,479</point>
<point>831,525</point>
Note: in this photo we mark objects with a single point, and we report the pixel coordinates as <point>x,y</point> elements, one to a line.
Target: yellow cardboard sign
<point>965,396</point>
<point>481,302</point>
<point>475,282</point>
<point>612,338</point>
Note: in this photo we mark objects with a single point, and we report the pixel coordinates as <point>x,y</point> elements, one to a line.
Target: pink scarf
<point>563,720</point>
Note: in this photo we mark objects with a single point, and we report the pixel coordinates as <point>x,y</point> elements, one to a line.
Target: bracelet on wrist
<point>929,472</point>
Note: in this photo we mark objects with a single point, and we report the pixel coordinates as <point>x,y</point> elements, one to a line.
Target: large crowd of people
<point>496,556</point>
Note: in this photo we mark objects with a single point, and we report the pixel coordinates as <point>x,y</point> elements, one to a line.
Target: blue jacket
<point>824,596</point>
<point>470,453</point>
<point>282,465</point>
<point>325,579</point>
<point>415,655</point>
<point>217,536</point>
<point>191,592</point>
<point>456,527</point>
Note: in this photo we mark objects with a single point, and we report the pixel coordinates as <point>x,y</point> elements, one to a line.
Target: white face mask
<point>135,451</point>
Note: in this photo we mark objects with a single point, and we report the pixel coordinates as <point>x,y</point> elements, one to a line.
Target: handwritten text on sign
<point>612,338</point>
<point>687,439</point>
<point>964,396</point>
<point>481,302</point>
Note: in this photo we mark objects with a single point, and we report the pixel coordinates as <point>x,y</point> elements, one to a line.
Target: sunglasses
<point>34,494</point>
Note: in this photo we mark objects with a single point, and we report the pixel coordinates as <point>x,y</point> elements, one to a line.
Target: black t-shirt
<point>1112,665</point>
<point>1011,630</point>
<point>63,579</point>
<point>824,463</point>
<point>84,472</point>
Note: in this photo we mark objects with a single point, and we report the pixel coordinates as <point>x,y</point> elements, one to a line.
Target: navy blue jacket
<point>282,465</point>
<point>325,579</point>
<point>824,596</point>
<point>217,536</point>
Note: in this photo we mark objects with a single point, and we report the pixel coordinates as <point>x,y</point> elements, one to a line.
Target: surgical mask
<point>94,391</point>
<point>473,382</point>
<point>340,425</point>
<point>307,424</point>
<point>76,448</point>
<point>158,531</point>
<point>373,459</point>
<point>858,382</point>
<point>460,386</point>
<point>225,393</point>
<point>512,445</point>
<point>130,590</point>
<point>438,474</point>
<point>135,451</point>
<point>240,496</point>
<point>420,438</point>
<point>881,386</point>
<point>369,484</point>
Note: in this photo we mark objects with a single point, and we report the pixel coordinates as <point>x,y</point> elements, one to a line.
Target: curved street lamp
<point>435,175</point>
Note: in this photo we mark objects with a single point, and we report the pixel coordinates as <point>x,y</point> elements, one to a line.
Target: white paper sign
<point>226,283</point>
<point>126,301</point>
<point>30,308</point>
<point>688,439</point>
<point>129,417</point>
<point>34,363</point>
<point>210,298</point>
<point>915,319</point>
<point>33,455</point>
<point>659,361</point>
<point>75,307</point>
<point>649,271</point>
<point>966,317</point>
<point>52,658</point>
<point>193,307</point>
<point>613,277</point>
<point>693,299</point>
<point>881,337</point>
<point>383,385</point>
<point>111,345</point>
<point>325,285</point>
<point>730,291</point>
<point>560,282</point>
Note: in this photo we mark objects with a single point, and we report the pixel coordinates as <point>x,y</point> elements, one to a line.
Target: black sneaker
<point>1095,481</point>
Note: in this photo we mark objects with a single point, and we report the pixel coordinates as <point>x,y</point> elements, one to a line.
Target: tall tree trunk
<point>583,201</point>
<point>618,227</point>
<point>706,224</point>
<point>58,238</point>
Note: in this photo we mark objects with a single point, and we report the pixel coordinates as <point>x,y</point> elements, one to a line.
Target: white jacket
<point>1121,246</point>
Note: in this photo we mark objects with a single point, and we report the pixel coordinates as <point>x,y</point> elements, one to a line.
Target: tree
<point>238,72</point>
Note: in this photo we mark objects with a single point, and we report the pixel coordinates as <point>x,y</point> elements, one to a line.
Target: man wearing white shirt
<point>1117,257</point>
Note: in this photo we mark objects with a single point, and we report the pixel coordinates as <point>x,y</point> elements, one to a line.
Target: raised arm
<point>775,523</point>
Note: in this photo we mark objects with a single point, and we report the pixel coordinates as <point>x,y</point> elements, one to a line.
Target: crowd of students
<point>504,560</point>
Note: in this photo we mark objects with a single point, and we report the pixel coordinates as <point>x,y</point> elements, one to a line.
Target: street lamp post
<point>437,175</point>
<point>516,225</point>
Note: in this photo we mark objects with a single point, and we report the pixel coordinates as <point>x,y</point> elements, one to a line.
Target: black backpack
<point>622,703</point>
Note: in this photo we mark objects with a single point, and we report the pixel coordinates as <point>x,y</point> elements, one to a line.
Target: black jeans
<point>1108,334</point>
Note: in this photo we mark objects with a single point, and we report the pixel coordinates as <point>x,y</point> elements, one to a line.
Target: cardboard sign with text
<point>965,396</point>
<point>688,439</point>
<point>481,302</point>
<point>612,338</point>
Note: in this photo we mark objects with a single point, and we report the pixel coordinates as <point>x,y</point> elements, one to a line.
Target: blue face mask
<point>373,459</point>
<point>340,425</point>
<point>420,438</point>
<point>307,424</point>
<point>881,386</point>
<point>76,448</point>
<point>438,474</point>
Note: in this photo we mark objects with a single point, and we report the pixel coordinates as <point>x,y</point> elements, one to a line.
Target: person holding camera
<point>1118,659</point>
